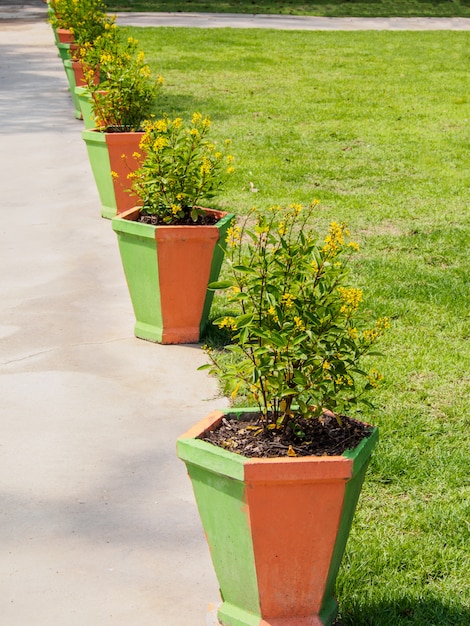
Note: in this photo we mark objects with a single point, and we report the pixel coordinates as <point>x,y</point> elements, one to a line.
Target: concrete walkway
<point>290,22</point>
<point>98,524</point>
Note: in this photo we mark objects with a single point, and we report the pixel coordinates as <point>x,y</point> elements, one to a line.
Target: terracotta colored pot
<point>276,527</point>
<point>98,156</point>
<point>122,147</point>
<point>78,69</point>
<point>168,269</point>
<point>65,36</point>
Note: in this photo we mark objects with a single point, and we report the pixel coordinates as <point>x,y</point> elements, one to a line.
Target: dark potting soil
<point>202,220</point>
<point>322,436</point>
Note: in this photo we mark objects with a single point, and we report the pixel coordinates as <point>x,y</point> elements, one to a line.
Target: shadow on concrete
<point>34,87</point>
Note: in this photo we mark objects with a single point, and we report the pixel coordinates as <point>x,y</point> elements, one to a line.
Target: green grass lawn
<point>376,125</point>
<point>330,8</point>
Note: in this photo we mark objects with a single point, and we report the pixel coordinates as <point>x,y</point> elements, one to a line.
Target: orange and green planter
<point>112,157</point>
<point>168,270</point>
<point>98,156</point>
<point>276,528</point>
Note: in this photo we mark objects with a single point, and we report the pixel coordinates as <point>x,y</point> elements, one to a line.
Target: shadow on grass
<point>406,611</point>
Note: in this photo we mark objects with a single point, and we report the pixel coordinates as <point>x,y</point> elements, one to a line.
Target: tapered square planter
<point>112,157</point>
<point>123,149</point>
<point>64,51</point>
<point>276,527</point>
<point>98,156</point>
<point>69,71</point>
<point>168,269</point>
<point>86,107</point>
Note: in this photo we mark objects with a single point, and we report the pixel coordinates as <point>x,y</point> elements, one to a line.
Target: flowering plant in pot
<point>83,19</point>
<point>277,484</point>
<point>126,94</point>
<point>171,247</point>
<point>123,99</point>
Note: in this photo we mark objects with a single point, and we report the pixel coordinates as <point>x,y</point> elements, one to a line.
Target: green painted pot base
<point>148,332</point>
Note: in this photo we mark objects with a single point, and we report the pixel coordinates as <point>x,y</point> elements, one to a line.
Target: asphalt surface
<point>98,524</point>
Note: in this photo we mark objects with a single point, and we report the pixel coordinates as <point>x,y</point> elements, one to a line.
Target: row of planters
<point>276,485</point>
<point>151,174</point>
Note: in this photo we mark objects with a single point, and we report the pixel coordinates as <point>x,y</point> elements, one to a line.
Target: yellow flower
<point>228,322</point>
<point>161,126</point>
<point>140,57</point>
<point>326,365</point>
<point>197,117</point>
<point>145,71</point>
<point>177,122</point>
<point>175,209</point>
<point>353,245</point>
<point>272,312</point>
<point>206,122</point>
<point>370,335</point>
<point>206,166</point>
<point>230,170</point>
<point>383,323</point>
<point>136,155</point>
<point>160,143</point>
<point>114,174</point>
<point>353,333</point>
<point>335,238</point>
<point>194,132</point>
<point>281,228</point>
<point>374,377</point>
<point>299,323</point>
<point>233,236</point>
<point>288,300</point>
<point>297,208</point>
<point>351,297</point>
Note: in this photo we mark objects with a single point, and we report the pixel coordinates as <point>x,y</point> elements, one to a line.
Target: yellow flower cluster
<point>335,238</point>
<point>228,322</point>
<point>206,166</point>
<point>297,208</point>
<point>234,234</point>
<point>161,126</point>
<point>160,143</point>
<point>341,380</point>
<point>272,313</point>
<point>299,323</point>
<point>288,300</point>
<point>374,377</point>
<point>351,297</point>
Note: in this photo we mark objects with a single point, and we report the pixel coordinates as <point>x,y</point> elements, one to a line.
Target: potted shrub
<point>77,24</point>
<point>171,247</point>
<point>123,99</point>
<point>277,484</point>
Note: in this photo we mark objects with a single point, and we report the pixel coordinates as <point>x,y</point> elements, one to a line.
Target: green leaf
<point>221,284</point>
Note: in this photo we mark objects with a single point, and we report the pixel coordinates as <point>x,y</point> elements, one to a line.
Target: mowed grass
<point>376,125</point>
<point>327,8</point>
